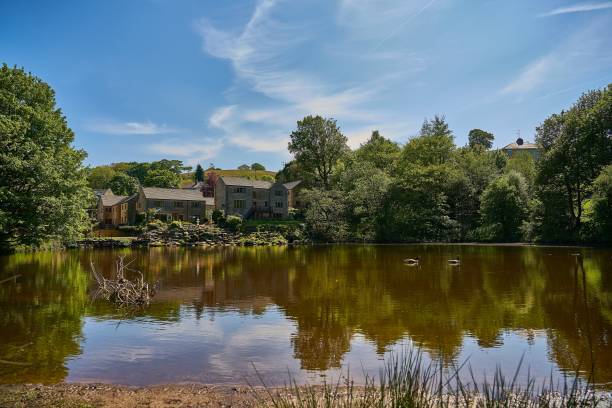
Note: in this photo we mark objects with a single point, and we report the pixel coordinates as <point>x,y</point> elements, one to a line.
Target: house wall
<point>279,201</point>
<point>178,209</point>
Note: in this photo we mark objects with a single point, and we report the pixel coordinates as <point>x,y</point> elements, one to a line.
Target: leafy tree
<point>504,208</point>
<point>162,178</point>
<point>257,166</point>
<point>318,145</point>
<point>601,205</point>
<point>325,215</point>
<point>480,139</point>
<point>292,171</point>
<point>244,167</point>
<point>199,173</point>
<point>99,177</point>
<point>576,146</point>
<point>43,185</point>
<point>139,171</point>
<point>379,151</point>
<point>122,184</point>
<point>523,163</point>
<point>175,166</point>
<point>433,146</point>
<point>364,187</point>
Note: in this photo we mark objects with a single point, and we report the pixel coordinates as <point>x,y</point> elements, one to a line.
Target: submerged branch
<point>121,290</point>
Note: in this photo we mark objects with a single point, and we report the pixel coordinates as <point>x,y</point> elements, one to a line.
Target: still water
<point>311,311</point>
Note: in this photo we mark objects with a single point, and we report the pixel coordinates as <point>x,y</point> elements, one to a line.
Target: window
<point>239,190</point>
<point>278,204</point>
<point>239,204</point>
<point>278,193</point>
<point>157,203</point>
<point>178,204</point>
<point>195,204</point>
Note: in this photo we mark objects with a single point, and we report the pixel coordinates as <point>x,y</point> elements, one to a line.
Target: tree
<point>244,167</point>
<point>325,215</point>
<point>199,174</point>
<point>576,147</point>
<point>318,145</point>
<point>257,166</point>
<point>122,184</point>
<point>601,205</point>
<point>480,139</point>
<point>434,145</point>
<point>99,177</point>
<point>504,208</point>
<point>379,151</point>
<point>43,185</point>
<point>523,163</point>
<point>162,178</point>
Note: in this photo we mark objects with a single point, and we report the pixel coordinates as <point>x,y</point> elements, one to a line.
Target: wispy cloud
<point>579,8</point>
<point>192,152</point>
<point>531,76</point>
<point>127,128</point>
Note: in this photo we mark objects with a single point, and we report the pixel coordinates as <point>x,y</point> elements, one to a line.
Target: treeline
<point>431,190</point>
<point>125,177</point>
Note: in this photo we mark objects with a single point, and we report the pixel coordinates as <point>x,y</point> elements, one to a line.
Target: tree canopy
<point>43,185</point>
<point>478,138</point>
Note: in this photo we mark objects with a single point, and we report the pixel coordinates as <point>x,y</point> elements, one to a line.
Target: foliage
<point>244,167</point>
<point>524,164</point>
<point>43,185</point>
<point>217,216</point>
<point>233,222</point>
<point>325,215</point>
<point>198,176</point>
<point>382,153</point>
<point>433,146</point>
<point>162,178</point>
<point>480,139</point>
<point>100,177</point>
<point>318,145</point>
<point>257,166</point>
<point>601,206</point>
<point>504,208</point>
<point>122,184</point>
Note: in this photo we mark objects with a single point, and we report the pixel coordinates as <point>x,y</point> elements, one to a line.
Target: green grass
<point>187,178</point>
<point>407,381</point>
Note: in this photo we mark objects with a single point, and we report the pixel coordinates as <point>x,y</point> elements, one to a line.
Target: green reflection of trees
<point>40,323</point>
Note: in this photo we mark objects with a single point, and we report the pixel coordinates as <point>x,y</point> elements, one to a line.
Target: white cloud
<point>191,152</point>
<point>532,76</point>
<point>128,128</point>
<point>579,8</point>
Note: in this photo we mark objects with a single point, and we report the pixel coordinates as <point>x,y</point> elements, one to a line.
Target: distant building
<point>174,203</point>
<point>115,210</point>
<point>521,146</point>
<point>254,198</point>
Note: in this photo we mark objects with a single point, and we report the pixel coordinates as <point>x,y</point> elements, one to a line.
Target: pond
<point>311,311</point>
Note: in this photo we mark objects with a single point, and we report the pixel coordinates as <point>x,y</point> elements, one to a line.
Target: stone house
<point>521,146</point>
<point>115,210</point>
<point>174,203</point>
<point>253,198</point>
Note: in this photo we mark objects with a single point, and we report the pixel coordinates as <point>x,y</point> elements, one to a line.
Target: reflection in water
<point>307,309</point>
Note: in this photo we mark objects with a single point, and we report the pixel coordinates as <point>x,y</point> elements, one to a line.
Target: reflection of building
<point>254,198</point>
<point>174,203</point>
<point>520,146</point>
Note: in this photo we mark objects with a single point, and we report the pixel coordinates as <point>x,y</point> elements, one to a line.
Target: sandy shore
<point>104,395</point>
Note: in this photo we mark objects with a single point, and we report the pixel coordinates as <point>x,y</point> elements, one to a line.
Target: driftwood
<point>121,290</point>
<point>14,277</point>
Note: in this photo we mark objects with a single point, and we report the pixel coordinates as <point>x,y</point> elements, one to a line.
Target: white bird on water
<point>412,261</point>
<point>455,261</point>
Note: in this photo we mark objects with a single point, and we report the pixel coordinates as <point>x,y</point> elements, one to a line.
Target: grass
<point>187,178</point>
<point>407,381</point>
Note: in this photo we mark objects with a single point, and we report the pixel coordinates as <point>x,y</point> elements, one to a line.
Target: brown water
<point>311,311</point>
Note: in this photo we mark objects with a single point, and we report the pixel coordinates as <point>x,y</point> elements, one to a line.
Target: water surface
<point>312,311</point>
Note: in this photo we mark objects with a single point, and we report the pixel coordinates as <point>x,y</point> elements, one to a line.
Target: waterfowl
<point>412,261</point>
<point>455,261</point>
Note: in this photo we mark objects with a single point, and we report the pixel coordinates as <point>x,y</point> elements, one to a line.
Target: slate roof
<point>110,200</point>
<point>516,146</point>
<point>102,191</point>
<point>241,181</point>
<point>292,184</point>
<point>179,194</point>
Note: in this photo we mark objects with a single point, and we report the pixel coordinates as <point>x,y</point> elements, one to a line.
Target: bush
<point>218,217</point>
<point>176,225</point>
<point>233,222</point>
<point>155,225</point>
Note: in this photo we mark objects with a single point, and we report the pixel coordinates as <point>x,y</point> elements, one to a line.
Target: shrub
<point>218,217</point>
<point>176,225</point>
<point>233,222</point>
<point>155,225</point>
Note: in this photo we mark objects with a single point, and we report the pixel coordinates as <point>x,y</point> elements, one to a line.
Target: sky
<point>225,82</point>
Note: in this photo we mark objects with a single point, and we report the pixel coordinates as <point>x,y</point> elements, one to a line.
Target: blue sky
<point>225,81</point>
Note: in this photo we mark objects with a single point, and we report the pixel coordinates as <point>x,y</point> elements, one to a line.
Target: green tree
<point>523,163</point>
<point>601,206</point>
<point>480,139</point>
<point>99,177</point>
<point>504,208</point>
<point>43,185</point>
<point>379,151</point>
<point>199,174</point>
<point>122,184</point>
<point>162,178</point>
<point>318,145</point>
<point>576,146</point>
<point>175,166</point>
<point>325,215</point>
<point>257,166</point>
<point>433,146</point>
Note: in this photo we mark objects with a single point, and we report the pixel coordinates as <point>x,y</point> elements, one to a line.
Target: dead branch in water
<point>12,278</point>
<point>121,290</point>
